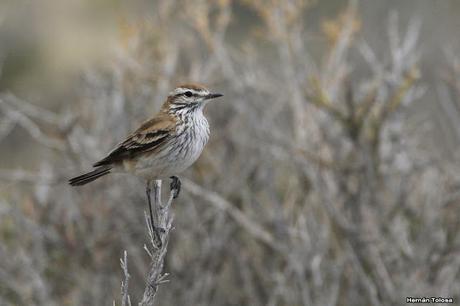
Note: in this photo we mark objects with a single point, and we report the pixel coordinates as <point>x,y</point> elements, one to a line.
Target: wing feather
<point>150,136</point>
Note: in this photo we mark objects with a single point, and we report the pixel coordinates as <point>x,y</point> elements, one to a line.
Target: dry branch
<point>163,220</point>
<point>158,239</point>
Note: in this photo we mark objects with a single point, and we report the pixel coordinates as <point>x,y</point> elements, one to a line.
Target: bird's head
<point>189,97</point>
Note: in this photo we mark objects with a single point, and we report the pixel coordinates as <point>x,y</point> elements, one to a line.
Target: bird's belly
<point>180,154</point>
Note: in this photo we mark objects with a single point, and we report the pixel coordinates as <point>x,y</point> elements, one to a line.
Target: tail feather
<point>90,176</point>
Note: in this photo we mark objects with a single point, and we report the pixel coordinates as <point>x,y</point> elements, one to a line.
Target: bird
<point>163,146</point>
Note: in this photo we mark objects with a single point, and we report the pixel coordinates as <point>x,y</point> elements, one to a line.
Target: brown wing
<point>150,136</point>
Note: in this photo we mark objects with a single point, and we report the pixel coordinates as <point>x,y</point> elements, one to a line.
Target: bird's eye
<point>188,93</point>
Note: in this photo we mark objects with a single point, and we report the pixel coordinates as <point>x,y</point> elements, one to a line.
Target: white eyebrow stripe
<point>182,90</point>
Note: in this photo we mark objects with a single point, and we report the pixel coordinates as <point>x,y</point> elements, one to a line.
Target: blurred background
<point>331,176</point>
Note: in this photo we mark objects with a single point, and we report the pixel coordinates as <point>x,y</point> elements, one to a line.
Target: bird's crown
<point>189,94</point>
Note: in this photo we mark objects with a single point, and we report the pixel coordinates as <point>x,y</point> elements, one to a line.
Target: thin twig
<point>241,218</point>
<point>125,300</point>
<point>163,223</point>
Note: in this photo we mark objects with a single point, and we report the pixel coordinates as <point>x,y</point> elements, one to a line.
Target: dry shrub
<point>314,189</point>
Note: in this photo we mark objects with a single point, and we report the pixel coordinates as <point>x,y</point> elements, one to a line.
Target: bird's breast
<point>191,139</point>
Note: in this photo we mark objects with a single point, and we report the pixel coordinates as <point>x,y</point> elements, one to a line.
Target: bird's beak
<point>213,96</point>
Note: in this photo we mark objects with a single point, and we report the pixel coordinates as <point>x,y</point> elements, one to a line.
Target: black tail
<point>90,176</point>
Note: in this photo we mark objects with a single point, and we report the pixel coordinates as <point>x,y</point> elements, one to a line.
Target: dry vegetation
<point>314,189</point>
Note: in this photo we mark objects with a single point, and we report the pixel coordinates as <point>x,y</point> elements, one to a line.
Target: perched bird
<point>163,146</point>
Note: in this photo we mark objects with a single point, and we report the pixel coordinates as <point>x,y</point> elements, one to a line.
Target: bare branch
<point>125,299</point>
<point>163,220</point>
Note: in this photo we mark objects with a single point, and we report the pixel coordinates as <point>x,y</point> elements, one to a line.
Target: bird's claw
<point>175,186</point>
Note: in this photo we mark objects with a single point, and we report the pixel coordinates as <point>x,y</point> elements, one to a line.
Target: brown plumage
<point>148,137</point>
<point>168,143</point>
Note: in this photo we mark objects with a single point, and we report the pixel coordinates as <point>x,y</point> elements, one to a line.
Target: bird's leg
<point>175,186</point>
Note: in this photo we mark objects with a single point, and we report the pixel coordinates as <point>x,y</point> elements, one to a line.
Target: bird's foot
<point>175,186</point>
